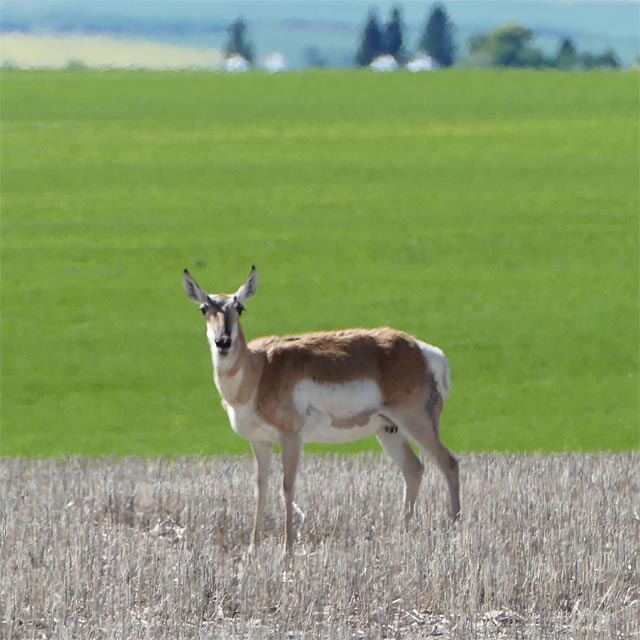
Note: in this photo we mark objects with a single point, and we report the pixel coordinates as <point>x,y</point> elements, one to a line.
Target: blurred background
<point>295,34</point>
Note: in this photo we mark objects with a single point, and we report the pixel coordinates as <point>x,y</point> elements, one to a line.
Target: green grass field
<point>494,214</point>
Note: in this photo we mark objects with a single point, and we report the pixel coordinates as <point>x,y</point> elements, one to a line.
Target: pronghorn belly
<point>337,413</point>
<point>321,427</point>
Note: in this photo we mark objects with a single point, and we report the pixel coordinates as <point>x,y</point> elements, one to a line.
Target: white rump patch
<point>438,365</point>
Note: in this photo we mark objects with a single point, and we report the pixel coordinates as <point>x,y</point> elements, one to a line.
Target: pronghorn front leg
<point>262,465</point>
<point>291,443</point>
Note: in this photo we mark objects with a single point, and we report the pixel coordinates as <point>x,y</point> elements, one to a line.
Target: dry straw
<point>126,548</point>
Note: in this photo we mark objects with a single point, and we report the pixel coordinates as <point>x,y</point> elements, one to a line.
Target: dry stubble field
<point>128,548</point>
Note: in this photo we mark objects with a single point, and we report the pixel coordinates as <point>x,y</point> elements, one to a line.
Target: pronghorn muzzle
<point>224,329</point>
<point>223,344</point>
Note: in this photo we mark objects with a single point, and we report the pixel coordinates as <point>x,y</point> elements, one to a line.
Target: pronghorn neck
<point>232,369</point>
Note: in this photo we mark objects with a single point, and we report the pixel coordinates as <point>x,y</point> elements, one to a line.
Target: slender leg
<point>447,463</point>
<point>291,444</point>
<point>398,449</point>
<point>262,465</point>
<point>422,428</point>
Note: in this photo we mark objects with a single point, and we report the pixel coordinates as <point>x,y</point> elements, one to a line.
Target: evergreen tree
<point>392,35</point>
<point>437,38</point>
<point>567,56</point>
<point>371,45</point>
<point>237,44</point>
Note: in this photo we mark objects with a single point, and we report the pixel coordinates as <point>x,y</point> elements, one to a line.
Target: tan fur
<point>388,357</point>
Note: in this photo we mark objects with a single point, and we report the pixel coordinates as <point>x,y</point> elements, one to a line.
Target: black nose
<point>224,342</point>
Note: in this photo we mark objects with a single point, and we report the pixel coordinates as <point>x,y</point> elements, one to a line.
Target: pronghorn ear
<point>248,288</point>
<point>191,288</point>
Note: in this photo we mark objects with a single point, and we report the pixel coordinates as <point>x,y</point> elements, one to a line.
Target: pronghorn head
<point>221,310</point>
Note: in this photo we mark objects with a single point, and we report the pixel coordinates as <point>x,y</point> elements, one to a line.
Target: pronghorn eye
<point>203,308</point>
<point>239,306</point>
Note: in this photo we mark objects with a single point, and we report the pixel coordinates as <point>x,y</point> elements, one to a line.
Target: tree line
<point>511,45</point>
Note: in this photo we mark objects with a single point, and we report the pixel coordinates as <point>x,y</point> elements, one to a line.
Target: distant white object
<point>274,62</point>
<point>422,63</point>
<point>236,63</point>
<point>384,63</point>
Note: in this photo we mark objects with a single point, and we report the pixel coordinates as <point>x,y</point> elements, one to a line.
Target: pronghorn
<point>331,387</point>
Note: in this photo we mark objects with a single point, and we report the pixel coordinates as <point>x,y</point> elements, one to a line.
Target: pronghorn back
<point>341,356</point>
<point>388,356</point>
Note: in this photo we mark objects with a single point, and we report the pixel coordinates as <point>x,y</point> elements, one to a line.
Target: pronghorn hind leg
<point>397,447</point>
<point>448,464</point>
<point>262,466</point>
<point>421,426</point>
<point>291,443</point>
